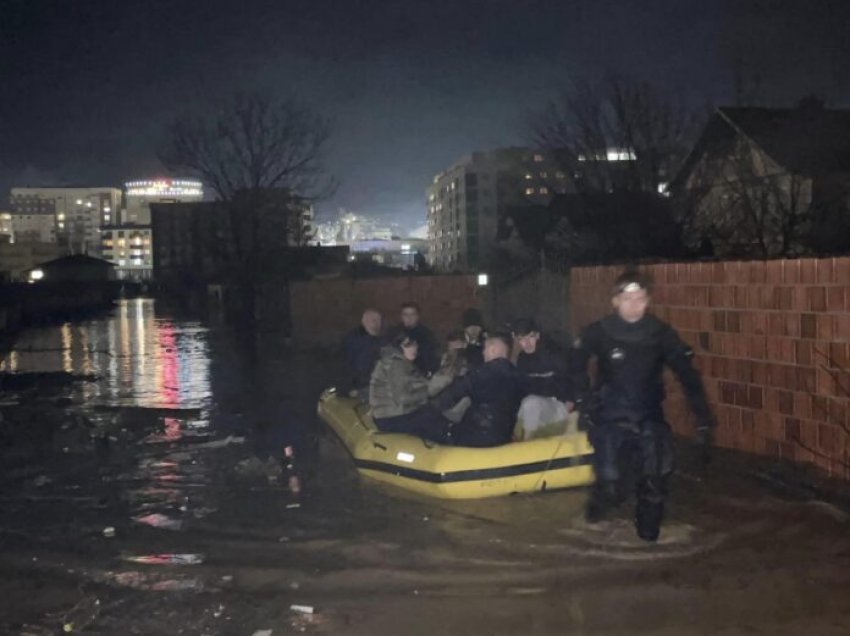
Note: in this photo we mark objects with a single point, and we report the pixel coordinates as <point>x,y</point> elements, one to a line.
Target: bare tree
<point>618,134</point>
<point>263,157</point>
<point>745,204</point>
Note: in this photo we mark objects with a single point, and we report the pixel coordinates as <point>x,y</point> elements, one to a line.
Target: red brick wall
<point>772,340</point>
<point>324,310</point>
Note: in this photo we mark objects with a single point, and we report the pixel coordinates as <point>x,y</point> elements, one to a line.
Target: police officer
<point>631,348</point>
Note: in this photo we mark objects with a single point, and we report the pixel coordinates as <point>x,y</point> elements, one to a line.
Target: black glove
<point>704,442</point>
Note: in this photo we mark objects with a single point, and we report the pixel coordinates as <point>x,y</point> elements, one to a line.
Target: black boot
<point>603,500</point>
<point>650,509</point>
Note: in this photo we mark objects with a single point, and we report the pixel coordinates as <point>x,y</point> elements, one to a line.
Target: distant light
<point>483,279</point>
<point>36,274</point>
<point>79,201</point>
<point>106,208</point>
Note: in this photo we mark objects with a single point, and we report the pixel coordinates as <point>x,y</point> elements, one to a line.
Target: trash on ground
<point>109,532</point>
<point>157,520</point>
<point>166,559</point>
<point>302,609</point>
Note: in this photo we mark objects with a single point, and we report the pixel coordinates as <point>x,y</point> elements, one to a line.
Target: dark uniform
<point>495,389</point>
<point>625,407</point>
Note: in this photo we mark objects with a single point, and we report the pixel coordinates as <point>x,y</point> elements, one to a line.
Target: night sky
<point>410,86</point>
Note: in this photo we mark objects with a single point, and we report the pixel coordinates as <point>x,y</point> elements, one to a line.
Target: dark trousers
<point>648,447</point>
<point>425,422</point>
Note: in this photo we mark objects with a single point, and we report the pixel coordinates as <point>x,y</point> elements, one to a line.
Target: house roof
<point>76,260</point>
<point>808,140</point>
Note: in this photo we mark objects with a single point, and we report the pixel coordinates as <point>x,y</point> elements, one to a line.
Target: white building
<point>130,249</point>
<point>140,194</point>
<point>71,217</point>
<point>465,201</point>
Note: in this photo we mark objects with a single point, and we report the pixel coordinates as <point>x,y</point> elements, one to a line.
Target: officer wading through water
<point>631,348</point>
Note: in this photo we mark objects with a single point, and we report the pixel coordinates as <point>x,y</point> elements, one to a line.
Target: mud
<point>176,408</point>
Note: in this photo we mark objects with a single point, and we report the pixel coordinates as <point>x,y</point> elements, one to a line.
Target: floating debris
<point>166,559</point>
<point>157,520</point>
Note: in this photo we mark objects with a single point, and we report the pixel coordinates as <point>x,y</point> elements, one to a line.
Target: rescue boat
<point>451,472</point>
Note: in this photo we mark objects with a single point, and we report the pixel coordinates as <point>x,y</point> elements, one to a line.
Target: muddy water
<point>177,420</point>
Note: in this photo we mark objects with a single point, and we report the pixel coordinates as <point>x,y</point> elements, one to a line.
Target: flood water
<point>137,499</point>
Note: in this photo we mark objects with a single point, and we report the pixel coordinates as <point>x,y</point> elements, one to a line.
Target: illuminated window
<point>529,190</point>
<point>544,190</point>
<point>528,175</point>
<point>538,158</point>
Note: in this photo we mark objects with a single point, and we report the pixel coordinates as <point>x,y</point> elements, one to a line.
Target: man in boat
<point>631,348</point>
<point>495,390</point>
<point>362,347</point>
<point>550,398</point>
<point>428,359</point>
<point>398,393</point>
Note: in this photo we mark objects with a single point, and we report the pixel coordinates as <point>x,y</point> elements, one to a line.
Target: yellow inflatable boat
<point>450,472</point>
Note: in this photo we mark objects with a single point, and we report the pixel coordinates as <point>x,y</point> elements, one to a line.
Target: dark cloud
<point>411,86</point>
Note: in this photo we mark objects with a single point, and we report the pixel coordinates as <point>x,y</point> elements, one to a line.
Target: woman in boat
<point>398,393</point>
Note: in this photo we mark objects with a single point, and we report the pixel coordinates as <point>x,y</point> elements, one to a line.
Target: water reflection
<point>141,359</point>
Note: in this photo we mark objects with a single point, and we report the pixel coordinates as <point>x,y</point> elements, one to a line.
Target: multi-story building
<point>130,249</point>
<point>465,202</point>
<point>6,233</point>
<point>72,217</point>
<point>140,195</point>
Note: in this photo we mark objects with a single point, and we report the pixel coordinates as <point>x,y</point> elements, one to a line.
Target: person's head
<point>408,346</point>
<point>371,321</point>
<point>409,314</point>
<point>630,296</point>
<point>526,334</point>
<point>473,323</point>
<point>497,345</point>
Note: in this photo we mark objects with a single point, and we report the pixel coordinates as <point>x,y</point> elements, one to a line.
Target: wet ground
<point>135,500</point>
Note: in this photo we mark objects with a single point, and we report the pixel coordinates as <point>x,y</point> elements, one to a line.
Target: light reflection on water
<point>140,359</point>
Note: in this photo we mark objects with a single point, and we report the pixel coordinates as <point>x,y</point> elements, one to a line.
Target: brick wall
<point>772,340</point>
<point>324,310</point>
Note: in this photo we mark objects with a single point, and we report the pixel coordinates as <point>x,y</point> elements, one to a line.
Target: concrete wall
<point>772,340</point>
<point>323,311</point>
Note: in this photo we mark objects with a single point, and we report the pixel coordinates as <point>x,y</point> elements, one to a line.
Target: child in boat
<point>398,393</point>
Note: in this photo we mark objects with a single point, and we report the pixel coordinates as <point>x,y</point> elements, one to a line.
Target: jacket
<point>362,350</point>
<point>630,362</point>
<point>546,373</point>
<point>495,389</point>
<point>397,387</point>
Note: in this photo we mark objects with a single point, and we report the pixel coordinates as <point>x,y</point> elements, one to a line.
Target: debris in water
<point>43,480</point>
<point>302,609</point>
<point>166,559</point>
<point>109,532</point>
<point>262,632</point>
<point>161,521</point>
<point>221,443</point>
<point>293,505</point>
<point>218,612</point>
<point>81,615</point>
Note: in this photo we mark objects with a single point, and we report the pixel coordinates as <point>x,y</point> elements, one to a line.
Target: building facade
<point>72,217</point>
<point>140,194</point>
<point>465,202</point>
<point>130,249</point>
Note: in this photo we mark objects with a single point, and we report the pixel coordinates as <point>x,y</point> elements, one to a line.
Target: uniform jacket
<point>630,360</point>
<point>495,389</point>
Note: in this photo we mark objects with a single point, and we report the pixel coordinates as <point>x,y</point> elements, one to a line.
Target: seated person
<point>474,335</point>
<point>545,411</point>
<point>452,365</point>
<point>398,394</point>
<point>495,390</point>
<point>428,359</point>
<point>362,348</point>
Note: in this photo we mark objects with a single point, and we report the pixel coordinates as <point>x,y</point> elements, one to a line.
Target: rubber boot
<point>603,500</point>
<point>650,509</point>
